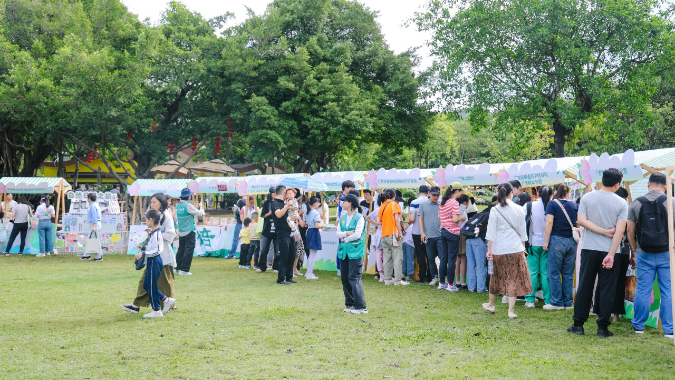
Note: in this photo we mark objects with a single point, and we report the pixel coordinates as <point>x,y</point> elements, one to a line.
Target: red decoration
<point>217,145</point>
<point>229,134</point>
<point>89,156</point>
<point>129,137</point>
<point>154,127</point>
<point>194,143</point>
<point>96,152</point>
<point>172,147</point>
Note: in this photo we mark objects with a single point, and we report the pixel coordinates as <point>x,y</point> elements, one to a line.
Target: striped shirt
<point>450,208</point>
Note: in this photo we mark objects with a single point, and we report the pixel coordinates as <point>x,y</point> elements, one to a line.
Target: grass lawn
<point>60,319</point>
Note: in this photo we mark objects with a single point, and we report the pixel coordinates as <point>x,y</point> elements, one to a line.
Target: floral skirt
<point>510,276</point>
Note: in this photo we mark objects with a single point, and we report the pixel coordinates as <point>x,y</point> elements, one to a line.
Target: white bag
<point>576,233</point>
<point>3,233</point>
<point>93,244</point>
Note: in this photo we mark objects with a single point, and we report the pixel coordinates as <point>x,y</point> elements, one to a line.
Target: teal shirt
<point>352,249</point>
<point>186,222</point>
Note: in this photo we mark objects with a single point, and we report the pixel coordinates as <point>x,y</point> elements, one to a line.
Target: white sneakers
<point>488,308</point>
<point>359,311</point>
<point>513,315</point>
<point>442,286</point>
<point>381,279</point>
<point>434,281</point>
<point>183,273</point>
<point>348,309</point>
<point>452,288</point>
<point>396,283</point>
<point>668,335</point>
<point>154,314</point>
<point>551,307</point>
<point>529,304</point>
<point>168,303</point>
<point>41,255</point>
<point>310,276</point>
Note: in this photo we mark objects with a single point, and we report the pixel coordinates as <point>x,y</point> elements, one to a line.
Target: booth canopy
<point>148,187</point>
<point>32,185</point>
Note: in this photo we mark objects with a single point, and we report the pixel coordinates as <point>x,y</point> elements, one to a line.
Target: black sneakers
<point>101,259</point>
<point>284,283</point>
<point>84,258</point>
<point>130,308</point>
<point>604,333</point>
<point>576,330</point>
<point>292,281</point>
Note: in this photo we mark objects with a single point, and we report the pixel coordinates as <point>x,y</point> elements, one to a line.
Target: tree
<point>543,64</point>
<point>318,80</point>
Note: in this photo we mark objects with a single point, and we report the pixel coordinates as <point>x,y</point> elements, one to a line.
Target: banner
<point>466,175</point>
<point>590,170</point>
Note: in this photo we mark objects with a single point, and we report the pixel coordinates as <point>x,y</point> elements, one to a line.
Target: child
<point>154,265</point>
<point>314,224</point>
<point>245,236</point>
<point>408,251</point>
<point>254,249</point>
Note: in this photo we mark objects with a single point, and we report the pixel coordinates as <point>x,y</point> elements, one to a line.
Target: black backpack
<point>528,220</point>
<point>652,225</point>
<point>479,220</point>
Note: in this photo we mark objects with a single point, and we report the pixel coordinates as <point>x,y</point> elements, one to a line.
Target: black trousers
<point>351,271</point>
<point>421,254</point>
<point>265,243</point>
<point>186,248</point>
<point>286,259</point>
<point>618,308</point>
<point>253,252</point>
<point>16,229</point>
<point>243,254</point>
<point>590,266</point>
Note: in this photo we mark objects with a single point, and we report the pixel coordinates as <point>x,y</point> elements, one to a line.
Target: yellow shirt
<point>245,235</point>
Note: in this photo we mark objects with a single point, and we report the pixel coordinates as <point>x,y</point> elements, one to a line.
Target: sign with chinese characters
<point>590,170</point>
<point>533,175</point>
<point>466,175</point>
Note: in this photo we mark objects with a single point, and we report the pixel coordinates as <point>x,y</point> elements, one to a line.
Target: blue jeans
<point>648,266</point>
<point>152,272</point>
<point>449,256</point>
<point>45,235</point>
<point>476,268</point>
<point>408,260</point>
<point>434,248</point>
<point>235,240</point>
<point>562,254</point>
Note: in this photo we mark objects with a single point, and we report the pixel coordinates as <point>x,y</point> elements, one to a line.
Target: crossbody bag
<point>576,234</point>
<point>510,225</point>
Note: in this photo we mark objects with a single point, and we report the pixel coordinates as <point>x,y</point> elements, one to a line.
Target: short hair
<point>92,197</point>
<point>154,215</point>
<point>314,200</point>
<point>515,184</point>
<point>350,198</point>
<point>247,221</point>
<point>411,200</point>
<point>254,215</point>
<point>250,197</point>
<point>2,214</point>
<point>463,198</point>
<point>611,177</point>
<point>354,193</point>
<point>424,189</point>
<point>658,178</point>
<point>368,191</point>
<point>494,199</point>
<point>280,189</point>
<point>346,184</point>
<point>389,194</point>
<point>622,192</point>
<point>524,198</point>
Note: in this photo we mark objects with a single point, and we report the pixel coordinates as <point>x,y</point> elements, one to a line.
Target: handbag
<point>576,234</point>
<point>93,244</point>
<point>510,225</point>
<point>140,263</point>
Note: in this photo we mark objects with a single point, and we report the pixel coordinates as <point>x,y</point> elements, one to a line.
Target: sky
<point>392,16</point>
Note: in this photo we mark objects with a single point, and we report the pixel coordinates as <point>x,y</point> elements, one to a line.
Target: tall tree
<point>543,64</point>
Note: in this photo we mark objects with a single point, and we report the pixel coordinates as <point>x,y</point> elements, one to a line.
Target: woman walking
<point>561,216</point>
<point>351,249</point>
<point>505,236</point>
<point>21,213</point>
<point>537,259</point>
<point>159,203</point>
<point>45,213</point>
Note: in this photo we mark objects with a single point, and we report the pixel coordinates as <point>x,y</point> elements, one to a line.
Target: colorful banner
<point>466,175</point>
<point>590,170</point>
<point>533,175</point>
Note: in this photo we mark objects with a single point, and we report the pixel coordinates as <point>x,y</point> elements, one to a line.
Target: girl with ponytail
<point>537,259</point>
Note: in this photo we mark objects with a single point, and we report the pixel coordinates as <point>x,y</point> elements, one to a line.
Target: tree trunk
<point>559,137</point>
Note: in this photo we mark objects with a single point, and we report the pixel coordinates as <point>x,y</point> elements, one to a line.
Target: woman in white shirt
<point>21,213</point>
<point>45,212</point>
<point>159,202</point>
<point>537,258</point>
<point>505,236</point>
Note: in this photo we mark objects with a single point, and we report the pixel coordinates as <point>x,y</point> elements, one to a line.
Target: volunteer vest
<point>186,221</point>
<point>352,249</point>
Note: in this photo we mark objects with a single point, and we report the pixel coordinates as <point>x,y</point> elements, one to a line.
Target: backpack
<point>652,230</point>
<point>479,220</point>
<point>528,220</point>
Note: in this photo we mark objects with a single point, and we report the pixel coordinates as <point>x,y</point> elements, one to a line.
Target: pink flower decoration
<point>440,177</point>
<point>194,187</point>
<point>585,172</point>
<point>502,176</point>
<point>133,190</point>
<point>242,187</point>
<point>3,189</point>
<point>371,179</point>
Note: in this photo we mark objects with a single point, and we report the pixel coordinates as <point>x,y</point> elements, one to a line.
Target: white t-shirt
<point>43,212</point>
<point>21,213</point>
<point>10,206</point>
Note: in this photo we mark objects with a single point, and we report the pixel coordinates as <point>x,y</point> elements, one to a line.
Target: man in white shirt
<point>424,274</point>
<point>8,205</point>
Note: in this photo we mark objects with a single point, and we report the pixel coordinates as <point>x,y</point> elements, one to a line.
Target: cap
<point>435,190</point>
<point>456,186</point>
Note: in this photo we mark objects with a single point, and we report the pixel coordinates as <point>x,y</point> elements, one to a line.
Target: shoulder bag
<point>512,227</point>
<point>397,236</point>
<point>576,234</point>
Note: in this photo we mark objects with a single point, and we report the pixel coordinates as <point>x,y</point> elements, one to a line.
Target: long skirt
<point>510,276</point>
<point>165,285</point>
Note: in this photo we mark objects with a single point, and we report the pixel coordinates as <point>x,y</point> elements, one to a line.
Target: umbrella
<point>168,168</point>
<point>213,166</point>
<point>305,183</point>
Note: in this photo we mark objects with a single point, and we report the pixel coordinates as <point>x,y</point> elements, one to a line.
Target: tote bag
<point>93,243</point>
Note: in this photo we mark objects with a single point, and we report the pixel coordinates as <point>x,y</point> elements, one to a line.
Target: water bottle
<point>490,270</point>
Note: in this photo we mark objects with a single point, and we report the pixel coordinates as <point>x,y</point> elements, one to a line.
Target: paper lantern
<point>194,143</point>
<point>89,156</point>
<point>154,128</point>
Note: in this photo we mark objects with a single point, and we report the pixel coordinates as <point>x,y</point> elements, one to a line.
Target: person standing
<point>430,233</point>
<point>45,213</point>
<point>314,224</point>
<point>517,189</point>
<point>284,235</point>
<point>425,271</point>
<point>185,214</point>
<point>376,239</point>
<point>245,237</point>
<point>268,235</point>
<point>648,236</point>
<point>561,247</point>
<point>460,265</point>
<point>389,216</point>
<point>506,234</point>
<point>408,250</point>
<point>94,217</point>
<point>8,205</point>
<point>21,214</point>
<point>537,260</point>
<point>254,248</point>
<point>238,211</point>
<point>603,215</point>
<point>450,218</point>
<point>351,249</point>
<point>623,261</point>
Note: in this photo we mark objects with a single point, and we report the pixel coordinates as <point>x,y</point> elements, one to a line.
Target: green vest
<point>352,249</point>
<point>186,222</point>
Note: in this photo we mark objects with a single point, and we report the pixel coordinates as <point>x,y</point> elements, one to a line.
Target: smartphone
<point>426,240</point>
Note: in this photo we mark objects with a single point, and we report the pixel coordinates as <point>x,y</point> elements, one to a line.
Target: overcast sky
<point>392,15</point>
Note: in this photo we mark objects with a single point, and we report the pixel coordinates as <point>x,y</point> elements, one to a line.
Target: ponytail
<point>46,199</point>
<point>448,194</point>
<point>545,194</point>
<point>561,191</point>
<point>503,192</point>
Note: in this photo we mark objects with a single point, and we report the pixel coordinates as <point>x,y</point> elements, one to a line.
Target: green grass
<point>60,319</point>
